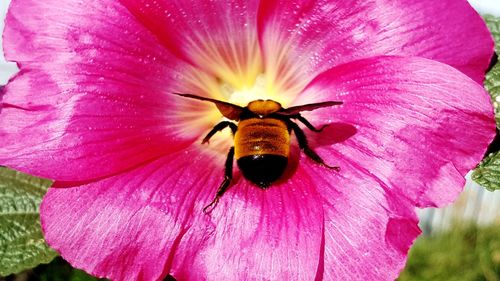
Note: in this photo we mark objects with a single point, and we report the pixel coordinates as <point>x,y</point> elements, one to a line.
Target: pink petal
<point>276,234</point>
<point>308,37</point>
<point>93,91</point>
<point>368,228</point>
<point>408,131</point>
<point>416,124</point>
<point>217,36</point>
<point>147,222</point>
<point>129,225</point>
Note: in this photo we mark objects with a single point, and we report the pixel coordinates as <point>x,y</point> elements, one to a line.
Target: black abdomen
<point>262,169</point>
<point>261,147</point>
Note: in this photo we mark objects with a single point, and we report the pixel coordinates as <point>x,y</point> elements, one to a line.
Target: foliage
<point>494,26</point>
<point>21,241</point>
<point>466,253</point>
<point>488,172</point>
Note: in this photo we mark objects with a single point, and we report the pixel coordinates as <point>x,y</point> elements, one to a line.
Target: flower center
<point>236,80</point>
<point>261,89</point>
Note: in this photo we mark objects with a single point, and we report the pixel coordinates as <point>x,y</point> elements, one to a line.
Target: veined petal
<point>130,225</point>
<point>368,228</point>
<point>94,90</point>
<point>419,125</point>
<point>155,224</point>
<point>217,36</point>
<point>273,234</point>
<point>301,39</point>
<point>407,133</point>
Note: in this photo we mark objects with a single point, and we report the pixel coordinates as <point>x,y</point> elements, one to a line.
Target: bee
<point>262,139</point>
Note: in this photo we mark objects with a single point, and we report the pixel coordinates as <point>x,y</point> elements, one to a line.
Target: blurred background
<point>460,242</point>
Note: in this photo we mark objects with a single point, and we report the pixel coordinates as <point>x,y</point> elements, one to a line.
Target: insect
<point>262,139</point>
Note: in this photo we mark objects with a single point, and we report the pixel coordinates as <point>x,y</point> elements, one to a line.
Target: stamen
<point>259,90</point>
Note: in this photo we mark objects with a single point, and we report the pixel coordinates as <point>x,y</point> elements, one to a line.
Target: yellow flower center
<point>260,89</point>
<point>238,74</point>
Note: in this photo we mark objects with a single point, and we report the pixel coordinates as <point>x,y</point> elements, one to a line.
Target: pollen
<point>260,90</point>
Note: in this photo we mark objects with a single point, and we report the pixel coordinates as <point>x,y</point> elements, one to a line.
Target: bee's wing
<point>307,107</point>
<point>228,110</point>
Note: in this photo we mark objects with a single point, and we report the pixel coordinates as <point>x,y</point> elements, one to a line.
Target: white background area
<point>491,7</point>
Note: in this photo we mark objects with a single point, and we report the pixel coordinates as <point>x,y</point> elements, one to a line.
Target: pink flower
<point>92,108</point>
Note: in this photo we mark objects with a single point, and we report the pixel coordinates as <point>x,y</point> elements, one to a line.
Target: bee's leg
<point>309,125</point>
<point>219,127</point>
<point>228,176</point>
<point>301,138</point>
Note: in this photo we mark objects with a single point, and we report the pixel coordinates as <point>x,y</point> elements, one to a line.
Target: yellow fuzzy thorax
<point>264,107</point>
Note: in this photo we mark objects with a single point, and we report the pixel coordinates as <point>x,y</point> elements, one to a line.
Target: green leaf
<point>492,82</point>
<point>492,85</point>
<point>21,241</point>
<point>493,24</point>
<point>488,172</point>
